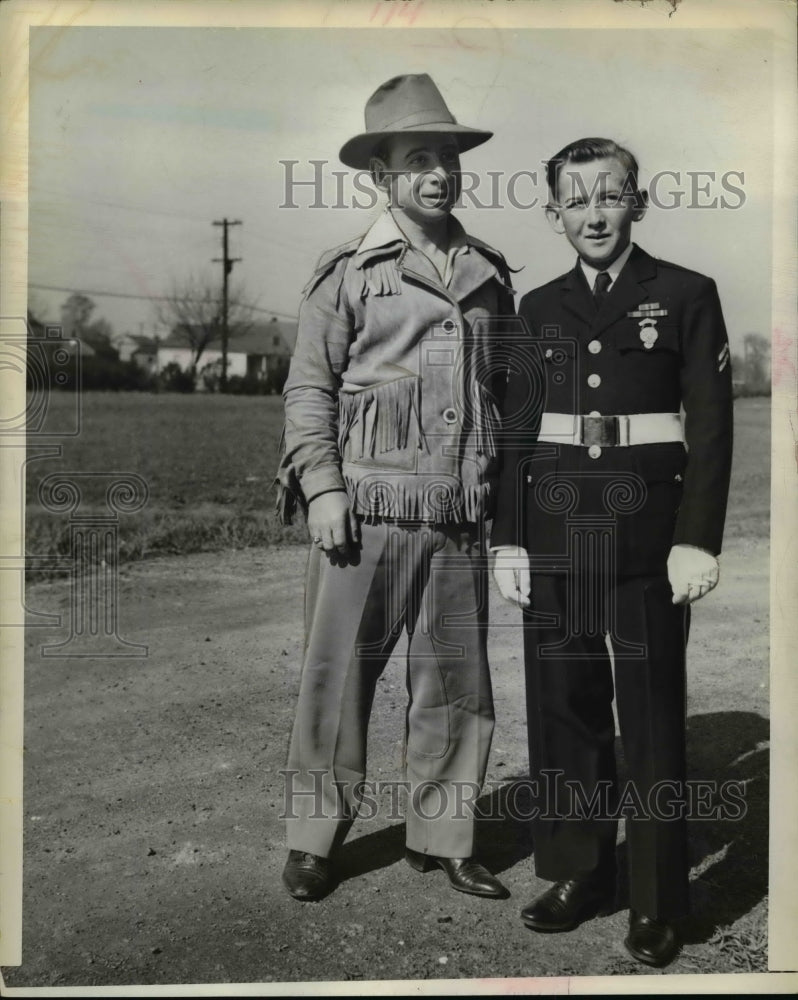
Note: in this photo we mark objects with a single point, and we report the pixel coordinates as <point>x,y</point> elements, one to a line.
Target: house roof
<point>273,337</point>
<point>138,338</point>
<point>144,345</point>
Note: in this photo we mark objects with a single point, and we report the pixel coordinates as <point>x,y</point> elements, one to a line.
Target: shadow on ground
<point>728,849</point>
<point>730,855</point>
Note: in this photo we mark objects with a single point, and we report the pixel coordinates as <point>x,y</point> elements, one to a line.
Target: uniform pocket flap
<point>648,337</point>
<point>661,463</point>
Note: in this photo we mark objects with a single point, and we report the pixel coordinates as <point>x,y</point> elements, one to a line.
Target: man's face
<point>424,175</point>
<point>595,209</point>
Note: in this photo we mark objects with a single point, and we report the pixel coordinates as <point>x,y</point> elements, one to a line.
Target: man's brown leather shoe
<point>650,941</point>
<point>564,905</point>
<point>307,876</point>
<point>465,874</point>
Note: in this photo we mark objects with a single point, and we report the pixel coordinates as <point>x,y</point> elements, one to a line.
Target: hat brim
<point>358,151</point>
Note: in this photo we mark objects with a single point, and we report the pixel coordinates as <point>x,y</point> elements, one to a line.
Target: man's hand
<point>331,523</point>
<point>511,573</point>
<point>692,573</point>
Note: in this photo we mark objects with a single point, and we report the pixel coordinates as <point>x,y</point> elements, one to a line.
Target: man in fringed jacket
<point>389,449</point>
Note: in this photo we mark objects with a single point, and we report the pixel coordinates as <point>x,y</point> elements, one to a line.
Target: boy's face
<point>595,209</point>
<point>421,174</point>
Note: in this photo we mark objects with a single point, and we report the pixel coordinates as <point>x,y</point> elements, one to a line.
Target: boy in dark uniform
<point>389,447</point>
<point>609,521</point>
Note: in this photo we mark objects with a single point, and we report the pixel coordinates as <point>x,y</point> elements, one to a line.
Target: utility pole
<point>227,266</point>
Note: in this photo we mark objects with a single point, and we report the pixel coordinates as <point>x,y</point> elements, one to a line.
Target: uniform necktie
<point>601,287</point>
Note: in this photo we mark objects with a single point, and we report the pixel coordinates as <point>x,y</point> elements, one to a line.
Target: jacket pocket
<point>380,425</point>
<point>649,339</point>
<point>661,467</point>
<point>660,463</point>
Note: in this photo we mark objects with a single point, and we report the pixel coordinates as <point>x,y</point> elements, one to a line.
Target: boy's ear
<point>641,205</point>
<point>555,219</point>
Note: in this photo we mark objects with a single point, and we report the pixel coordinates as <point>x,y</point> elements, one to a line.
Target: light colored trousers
<point>432,581</point>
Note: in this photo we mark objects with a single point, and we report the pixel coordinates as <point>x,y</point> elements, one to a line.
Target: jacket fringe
<point>286,504</point>
<point>417,498</point>
<point>289,493</point>
<point>487,422</point>
<point>380,419</point>
<point>380,277</point>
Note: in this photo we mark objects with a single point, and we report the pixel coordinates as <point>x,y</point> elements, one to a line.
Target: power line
<point>90,291</point>
<point>63,200</point>
<point>151,298</point>
<point>268,240</point>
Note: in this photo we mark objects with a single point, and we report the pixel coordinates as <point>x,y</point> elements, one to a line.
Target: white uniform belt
<point>608,431</point>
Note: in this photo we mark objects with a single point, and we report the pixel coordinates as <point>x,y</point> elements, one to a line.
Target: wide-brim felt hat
<point>406,105</point>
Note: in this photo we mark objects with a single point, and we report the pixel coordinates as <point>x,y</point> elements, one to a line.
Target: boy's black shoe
<point>565,905</point>
<point>307,876</point>
<point>650,941</point>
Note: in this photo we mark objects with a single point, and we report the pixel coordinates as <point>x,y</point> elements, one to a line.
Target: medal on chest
<point>648,313</point>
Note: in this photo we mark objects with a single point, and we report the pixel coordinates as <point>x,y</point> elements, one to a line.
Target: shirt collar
<point>613,270</point>
<point>386,231</point>
<point>382,233</point>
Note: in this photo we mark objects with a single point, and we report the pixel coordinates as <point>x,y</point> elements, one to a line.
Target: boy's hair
<point>587,150</point>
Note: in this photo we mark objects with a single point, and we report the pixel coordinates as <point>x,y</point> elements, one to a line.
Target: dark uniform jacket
<point>576,359</point>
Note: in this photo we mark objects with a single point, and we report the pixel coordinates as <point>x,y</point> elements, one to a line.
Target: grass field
<point>209,463</point>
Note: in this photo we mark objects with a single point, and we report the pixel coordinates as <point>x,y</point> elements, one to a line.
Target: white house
<point>264,349</point>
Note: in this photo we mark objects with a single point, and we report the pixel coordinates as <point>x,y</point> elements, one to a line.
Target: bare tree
<point>756,360</point>
<point>76,321</point>
<point>192,311</point>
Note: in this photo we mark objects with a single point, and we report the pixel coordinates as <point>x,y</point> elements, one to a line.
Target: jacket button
<point>449,415</point>
<point>677,478</point>
<point>449,326</point>
<point>594,346</point>
<point>594,381</point>
<point>594,451</point>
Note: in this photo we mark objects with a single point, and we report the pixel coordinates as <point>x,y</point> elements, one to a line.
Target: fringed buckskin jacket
<point>392,390</point>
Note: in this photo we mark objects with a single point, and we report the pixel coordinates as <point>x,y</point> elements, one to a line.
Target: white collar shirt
<point>613,270</point>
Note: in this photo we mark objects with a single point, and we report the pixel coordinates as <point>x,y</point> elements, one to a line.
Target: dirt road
<point>153,848</point>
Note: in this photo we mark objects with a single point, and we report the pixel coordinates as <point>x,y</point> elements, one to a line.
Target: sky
<point>141,137</point>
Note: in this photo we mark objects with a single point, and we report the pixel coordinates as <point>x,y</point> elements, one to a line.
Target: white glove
<point>692,572</point>
<point>511,573</point>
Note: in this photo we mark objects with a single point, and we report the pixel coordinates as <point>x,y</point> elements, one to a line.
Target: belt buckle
<point>601,431</point>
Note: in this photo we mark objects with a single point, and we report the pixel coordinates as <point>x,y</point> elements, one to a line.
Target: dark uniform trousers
<point>572,731</point>
<point>355,614</point>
